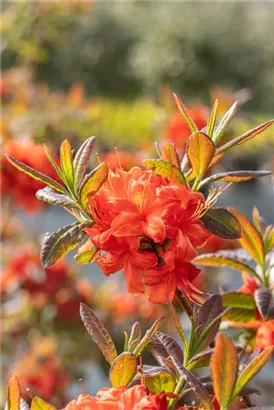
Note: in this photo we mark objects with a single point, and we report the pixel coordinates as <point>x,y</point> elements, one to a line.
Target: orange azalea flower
<point>16,184</point>
<point>121,398</point>
<point>150,228</point>
<point>177,131</point>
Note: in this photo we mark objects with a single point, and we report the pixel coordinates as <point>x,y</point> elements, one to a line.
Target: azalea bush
<point>150,222</point>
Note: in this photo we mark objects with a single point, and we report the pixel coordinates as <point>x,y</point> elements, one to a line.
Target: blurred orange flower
<point>135,398</point>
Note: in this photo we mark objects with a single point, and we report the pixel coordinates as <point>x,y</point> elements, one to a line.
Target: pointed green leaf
<point>67,163</point>
<point>81,160</point>
<point>212,259</point>
<point>224,123</point>
<point>57,244</point>
<point>223,223</point>
<point>178,326</point>
<point>191,124</point>
<point>148,336</point>
<point>242,306</point>
<point>98,333</point>
<point>135,336</point>
<point>52,197</point>
<point>224,370</point>
<point>53,162</point>
<point>245,137</point>
<point>36,174</point>
<point>212,120</point>
<point>123,369</point>
<point>252,369</point>
<point>165,169</point>
<point>92,182</point>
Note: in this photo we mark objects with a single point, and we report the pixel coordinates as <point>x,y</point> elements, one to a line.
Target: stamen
<point>98,158</point>
<point>29,393</point>
<point>83,386</point>
<point>117,157</point>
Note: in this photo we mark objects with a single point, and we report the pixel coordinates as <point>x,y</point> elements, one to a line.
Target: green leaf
<point>178,326</point>
<point>39,404</point>
<point>36,174</point>
<point>81,160</point>
<point>52,197</point>
<point>212,120</point>
<point>67,163</point>
<point>224,123</point>
<point>202,359</point>
<point>245,137</point>
<point>224,370</point>
<point>98,333</point>
<point>223,223</point>
<point>86,257</point>
<point>252,369</point>
<point>93,182</point>
<point>53,162</point>
<point>191,124</point>
<point>251,239</point>
<point>123,369</point>
<point>256,219</point>
<point>200,151</point>
<point>161,382</point>
<point>212,259</point>
<point>165,169</point>
<point>57,244</point>
<point>14,393</point>
<point>135,336</point>
<point>148,336</point>
<point>242,306</point>
<point>235,176</point>
<point>268,238</point>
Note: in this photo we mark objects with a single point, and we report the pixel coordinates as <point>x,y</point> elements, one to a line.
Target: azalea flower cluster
<point>149,227</point>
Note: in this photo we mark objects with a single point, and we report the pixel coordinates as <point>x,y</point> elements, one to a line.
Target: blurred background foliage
<point>128,49</point>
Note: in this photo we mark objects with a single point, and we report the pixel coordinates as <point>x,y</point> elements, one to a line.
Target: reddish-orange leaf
<point>200,152</point>
<point>224,369</point>
<point>123,369</point>
<point>251,238</point>
<point>14,393</point>
<point>170,154</point>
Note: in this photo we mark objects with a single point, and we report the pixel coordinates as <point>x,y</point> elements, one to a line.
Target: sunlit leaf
<point>202,359</point>
<point>92,182</point>
<point>67,162</point>
<point>14,393</point>
<point>123,369</point>
<point>86,257</point>
<point>251,238</point>
<point>191,124</point>
<point>242,306</point>
<point>200,151</point>
<point>216,260</point>
<point>98,333</point>
<point>224,369</point>
<point>165,169</point>
<point>224,123</point>
<point>53,162</point>
<point>160,382</point>
<point>235,176</point>
<point>39,404</point>
<point>245,137</point>
<point>268,238</point>
<point>223,223</point>
<point>178,326</point>
<point>256,219</point>
<point>81,160</point>
<point>212,119</point>
<point>52,197</point>
<point>170,154</point>
<point>264,302</point>
<point>135,336</point>
<point>36,174</point>
<point>57,244</point>
<point>252,369</point>
<point>148,336</point>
